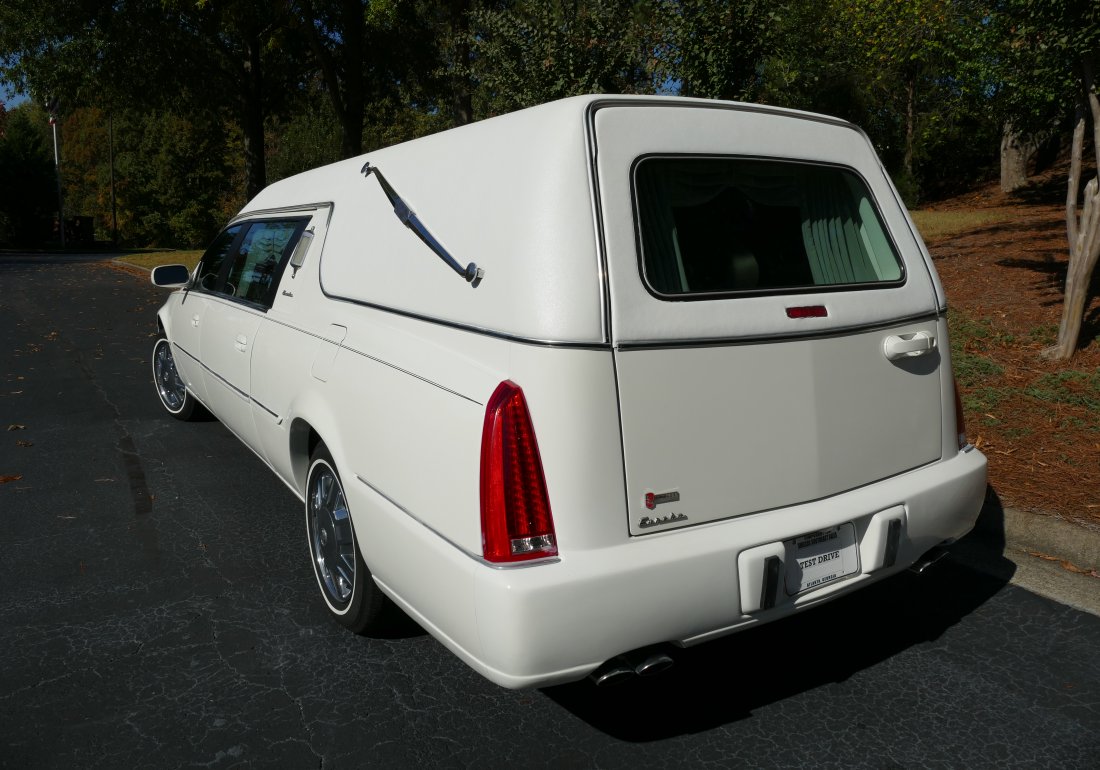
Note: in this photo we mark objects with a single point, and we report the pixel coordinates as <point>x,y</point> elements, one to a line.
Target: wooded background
<point>203,102</point>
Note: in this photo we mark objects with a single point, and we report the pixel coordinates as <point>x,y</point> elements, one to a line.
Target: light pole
<point>51,106</point>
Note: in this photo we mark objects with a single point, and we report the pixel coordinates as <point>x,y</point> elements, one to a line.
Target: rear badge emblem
<point>647,522</point>
<point>652,500</point>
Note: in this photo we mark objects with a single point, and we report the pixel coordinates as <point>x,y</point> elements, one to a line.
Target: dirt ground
<point>1037,421</point>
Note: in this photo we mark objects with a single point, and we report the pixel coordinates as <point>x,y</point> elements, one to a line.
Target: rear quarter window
<point>715,225</point>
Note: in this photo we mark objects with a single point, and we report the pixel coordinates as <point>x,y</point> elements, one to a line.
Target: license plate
<point>818,558</point>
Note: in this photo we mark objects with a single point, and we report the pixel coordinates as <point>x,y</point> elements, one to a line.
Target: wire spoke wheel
<point>170,387</point>
<point>331,536</point>
<point>350,593</point>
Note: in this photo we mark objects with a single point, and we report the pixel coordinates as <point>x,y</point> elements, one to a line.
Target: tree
<point>222,57</point>
<point>715,47</point>
<point>27,207</point>
<point>921,55</point>
<point>526,53</point>
<point>1064,36</point>
<point>367,52</point>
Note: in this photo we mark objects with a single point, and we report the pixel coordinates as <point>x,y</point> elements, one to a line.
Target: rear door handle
<point>242,342</point>
<point>194,320</point>
<point>908,345</point>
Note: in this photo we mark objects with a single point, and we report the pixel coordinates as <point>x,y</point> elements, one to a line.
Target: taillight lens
<point>960,421</point>
<point>516,523</point>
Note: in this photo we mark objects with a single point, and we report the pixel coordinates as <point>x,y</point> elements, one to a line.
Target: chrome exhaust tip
<point>654,664</point>
<point>615,671</point>
<point>930,559</point>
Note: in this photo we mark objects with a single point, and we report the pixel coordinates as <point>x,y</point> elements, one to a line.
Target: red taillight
<point>960,421</point>
<point>808,311</point>
<point>516,523</point>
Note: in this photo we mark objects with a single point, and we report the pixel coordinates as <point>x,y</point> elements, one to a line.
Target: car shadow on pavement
<point>727,680</point>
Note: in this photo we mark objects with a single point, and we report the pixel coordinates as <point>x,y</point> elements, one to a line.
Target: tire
<point>173,394</point>
<point>350,593</point>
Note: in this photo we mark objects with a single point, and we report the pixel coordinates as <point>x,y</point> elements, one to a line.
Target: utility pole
<point>51,106</point>
<point>111,153</point>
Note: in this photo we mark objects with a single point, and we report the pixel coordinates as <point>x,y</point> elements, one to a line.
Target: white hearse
<point>582,383</point>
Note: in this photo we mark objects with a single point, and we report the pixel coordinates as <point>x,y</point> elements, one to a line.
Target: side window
<point>211,266</point>
<point>260,258</point>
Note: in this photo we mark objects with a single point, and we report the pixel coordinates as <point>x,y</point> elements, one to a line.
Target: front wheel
<point>349,591</point>
<point>173,394</point>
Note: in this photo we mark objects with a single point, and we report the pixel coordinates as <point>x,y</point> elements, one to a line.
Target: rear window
<point>732,225</point>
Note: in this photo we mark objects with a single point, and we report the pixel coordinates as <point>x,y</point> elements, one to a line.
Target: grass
<point>944,224</point>
<point>1075,388</point>
<point>968,336</point>
<point>151,259</point>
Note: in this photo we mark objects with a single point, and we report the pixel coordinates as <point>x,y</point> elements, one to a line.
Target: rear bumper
<point>553,623</point>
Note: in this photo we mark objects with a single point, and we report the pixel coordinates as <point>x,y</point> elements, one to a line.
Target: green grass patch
<point>151,259</point>
<point>1046,334</point>
<point>983,400</point>
<point>967,335</point>
<point>1073,388</point>
<point>934,225</point>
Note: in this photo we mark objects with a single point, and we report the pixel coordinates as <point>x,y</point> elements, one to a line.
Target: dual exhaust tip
<point>624,667</point>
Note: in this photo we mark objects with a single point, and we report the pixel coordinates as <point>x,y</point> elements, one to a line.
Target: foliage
<point>28,197</point>
<point>172,171</point>
<point>715,47</point>
<point>299,83</point>
<point>527,53</point>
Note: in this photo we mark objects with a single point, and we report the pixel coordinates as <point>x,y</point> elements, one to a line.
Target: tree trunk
<point>252,120</point>
<point>462,103</point>
<point>1016,153</point>
<point>910,97</point>
<point>354,53</point>
<point>1083,233</point>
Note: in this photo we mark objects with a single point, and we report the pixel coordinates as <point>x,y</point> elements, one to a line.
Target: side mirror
<point>298,258</point>
<point>171,276</point>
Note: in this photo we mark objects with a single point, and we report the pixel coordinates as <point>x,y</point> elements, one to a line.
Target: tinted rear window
<point>725,225</point>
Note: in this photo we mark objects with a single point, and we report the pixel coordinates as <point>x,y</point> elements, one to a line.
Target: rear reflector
<point>808,311</point>
<point>516,523</point>
<point>960,420</point>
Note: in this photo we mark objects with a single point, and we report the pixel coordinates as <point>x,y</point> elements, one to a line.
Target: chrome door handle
<point>908,345</point>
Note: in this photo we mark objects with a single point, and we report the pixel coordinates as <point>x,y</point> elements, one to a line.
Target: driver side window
<point>260,258</point>
<point>211,266</point>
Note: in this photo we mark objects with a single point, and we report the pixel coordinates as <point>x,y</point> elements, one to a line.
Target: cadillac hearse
<point>588,382</point>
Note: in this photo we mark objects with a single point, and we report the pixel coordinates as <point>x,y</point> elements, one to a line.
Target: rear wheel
<point>173,394</point>
<point>349,591</point>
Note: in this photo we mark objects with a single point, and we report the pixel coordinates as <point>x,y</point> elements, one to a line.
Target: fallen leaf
<point>6,479</point>
<point>103,480</point>
<point>21,442</point>
<point>66,517</point>
<point>14,426</point>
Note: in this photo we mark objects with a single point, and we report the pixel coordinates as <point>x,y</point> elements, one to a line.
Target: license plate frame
<point>820,558</point>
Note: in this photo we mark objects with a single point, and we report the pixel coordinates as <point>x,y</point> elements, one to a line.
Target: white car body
<point>689,443</point>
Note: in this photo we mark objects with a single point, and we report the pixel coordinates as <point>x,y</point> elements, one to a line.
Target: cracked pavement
<point>157,609</point>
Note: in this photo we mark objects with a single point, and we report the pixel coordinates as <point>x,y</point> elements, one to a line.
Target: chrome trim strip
<point>602,260</point>
<point>411,374</point>
<point>448,541</point>
<point>712,342</point>
<point>664,101</point>
<point>242,215</point>
<point>469,327</point>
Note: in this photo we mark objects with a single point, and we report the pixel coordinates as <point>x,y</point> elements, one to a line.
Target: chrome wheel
<point>332,539</point>
<point>170,387</point>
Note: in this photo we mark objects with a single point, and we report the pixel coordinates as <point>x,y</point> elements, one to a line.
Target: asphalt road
<point>157,610</point>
